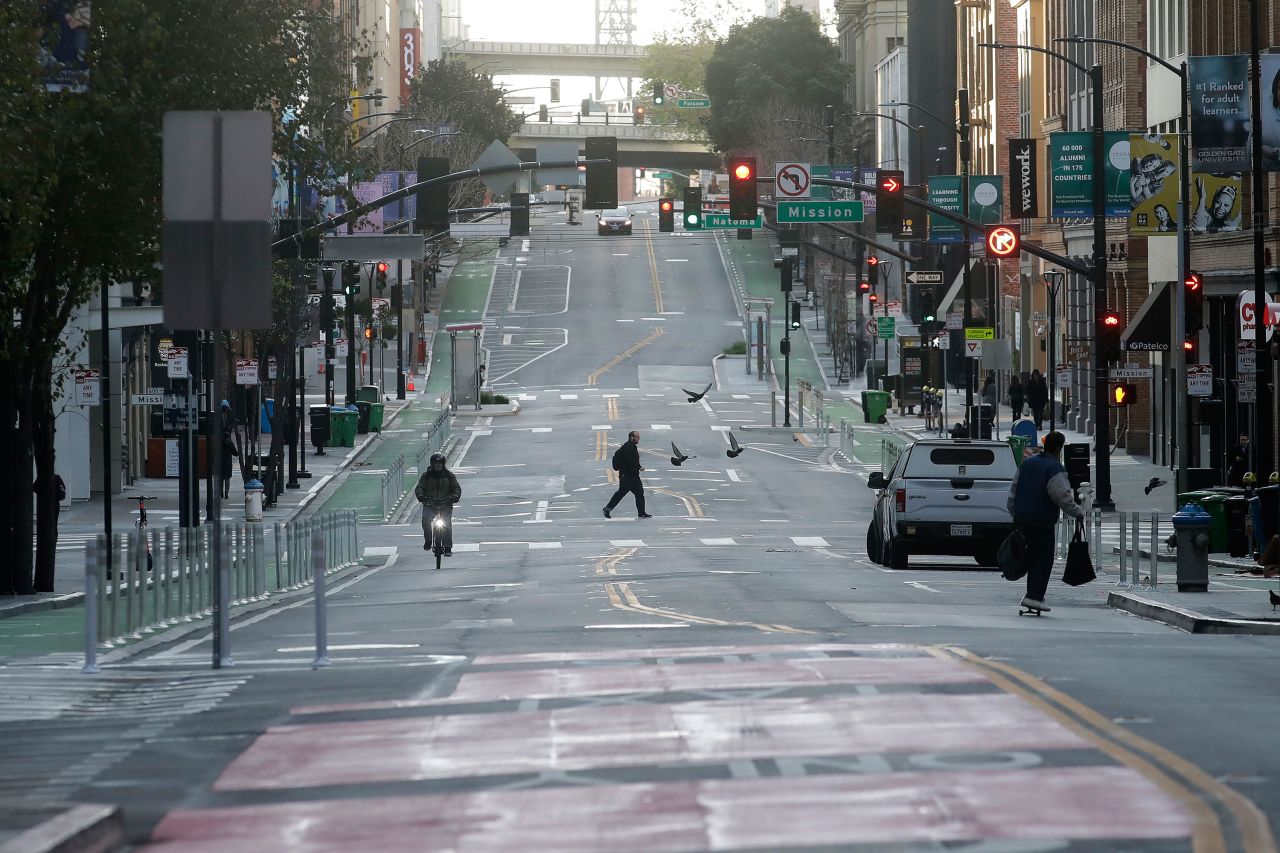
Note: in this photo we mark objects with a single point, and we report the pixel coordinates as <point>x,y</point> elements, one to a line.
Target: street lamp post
<point>1179,419</point>
<point>1102,414</point>
<point>1053,283</point>
<point>918,130</point>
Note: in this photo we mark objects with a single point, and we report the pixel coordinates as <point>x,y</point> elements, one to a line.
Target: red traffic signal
<point>873,298</point>
<point>873,261</point>
<point>1195,284</point>
<point>891,182</point>
<point>1003,241</point>
<point>864,286</point>
<point>1112,321</point>
<point>666,214</point>
<point>666,205</point>
<point>1194,302</point>
<point>383,266</point>
<point>380,275</point>
<point>742,171</point>
<point>743,198</point>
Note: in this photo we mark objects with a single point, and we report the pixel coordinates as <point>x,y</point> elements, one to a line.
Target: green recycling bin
<point>342,428</point>
<point>875,405</point>
<point>1216,506</point>
<point>376,412</point>
<point>1019,444</point>
<point>367,394</point>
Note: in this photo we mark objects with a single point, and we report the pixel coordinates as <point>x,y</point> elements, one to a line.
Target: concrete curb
<point>492,410</point>
<point>1190,621</point>
<point>64,827</point>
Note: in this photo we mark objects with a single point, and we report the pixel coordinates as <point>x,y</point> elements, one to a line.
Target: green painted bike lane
<point>754,261</point>
<point>466,293</point>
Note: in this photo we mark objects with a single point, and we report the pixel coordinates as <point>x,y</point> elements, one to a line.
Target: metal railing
<point>1120,543</point>
<point>164,574</point>
<point>392,487</point>
<point>437,437</point>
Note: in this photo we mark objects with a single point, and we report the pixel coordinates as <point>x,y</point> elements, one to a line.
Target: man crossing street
<point>626,461</point>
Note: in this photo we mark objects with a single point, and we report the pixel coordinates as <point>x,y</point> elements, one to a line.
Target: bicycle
<point>141,523</point>
<point>438,530</point>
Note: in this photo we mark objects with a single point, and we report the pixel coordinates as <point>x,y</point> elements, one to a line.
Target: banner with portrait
<point>1270,69</point>
<point>1216,202</point>
<point>1219,113</point>
<point>1153,184</point>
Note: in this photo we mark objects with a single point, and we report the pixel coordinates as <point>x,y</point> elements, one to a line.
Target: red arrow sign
<point>1003,241</point>
<point>890,185</point>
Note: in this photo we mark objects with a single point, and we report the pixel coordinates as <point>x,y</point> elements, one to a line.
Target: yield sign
<point>791,180</point>
<point>1003,241</point>
<point>973,349</point>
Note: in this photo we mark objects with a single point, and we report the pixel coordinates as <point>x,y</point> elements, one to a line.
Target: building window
<point>892,43</point>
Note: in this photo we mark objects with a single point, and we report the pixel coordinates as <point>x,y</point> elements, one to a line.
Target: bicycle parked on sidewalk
<point>141,522</point>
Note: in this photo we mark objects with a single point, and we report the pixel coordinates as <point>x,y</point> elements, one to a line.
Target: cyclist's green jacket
<point>438,488</point>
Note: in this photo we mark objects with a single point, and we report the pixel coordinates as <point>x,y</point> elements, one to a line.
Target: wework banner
<point>1219,113</point>
<point>1024,179</point>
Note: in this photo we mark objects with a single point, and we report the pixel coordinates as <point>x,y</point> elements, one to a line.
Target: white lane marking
<point>380,550</point>
<point>607,396</point>
<point>533,429</point>
<point>506,340</point>
<point>544,546</point>
<point>923,586</point>
<point>353,647</point>
<point>810,541</point>
<point>466,547</point>
<point>656,427</point>
<point>721,428</point>
<point>526,397</point>
<point>639,625</point>
<point>728,541</point>
<point>603,426</point>
<point>624,321</point>
<point>706,407</point>
<point>732,572</point>
<point>485,585</point>
<point>653,319</point>
<point>540,514</point>
<point>677,261</point>
<point>568,396</point>
<point>670,312</point>
<point>733,475</point>
<point>621,255</point>
<point>742,396</point>
<point>626,543</point>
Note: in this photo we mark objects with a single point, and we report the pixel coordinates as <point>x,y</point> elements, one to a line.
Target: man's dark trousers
<point>1039,558</point>
<point>628,483</point>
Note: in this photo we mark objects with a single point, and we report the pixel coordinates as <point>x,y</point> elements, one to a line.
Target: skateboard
<point>1029,611</point>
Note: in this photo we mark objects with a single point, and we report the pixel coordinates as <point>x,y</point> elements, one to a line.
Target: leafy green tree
<point>785,58</point>
<point>80,194</point>
<point>680,54</point>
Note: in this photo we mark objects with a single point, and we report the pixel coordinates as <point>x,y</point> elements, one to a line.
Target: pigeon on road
<point>695,396</point>
<point>1155,483</point>
<point>1275,599</point>
<point>734,447</point>
<point>676,456</point>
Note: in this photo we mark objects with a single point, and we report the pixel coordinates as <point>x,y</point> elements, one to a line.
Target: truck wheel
<point>873,543</point>
<point>897,556</point>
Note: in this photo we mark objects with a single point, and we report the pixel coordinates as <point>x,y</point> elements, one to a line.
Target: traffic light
<point>658,97</point>
<point>742,188</point>
<point>380,275</point>
<point>928,305</point>
<point>1191,348</point>
<point>1003,242</point>
<point>432,213</point>
<point>872,298</point>
<point>1194,286</point>
<point>692,208</point>
<point>542,113</point>
<point>519,215</point>
<point>864,286</point>
<point>1123,394</point>
<point>795,315</point>
<point>666,214</point>
<point>602,179</point>
<point>555,90</point>
<point>585,107</point>
<point>368,332</point>
<point>637,114</point>
<point>1110,325</point>
<point>873,271</point>
<point>351,279</point>
<point>889,189</point>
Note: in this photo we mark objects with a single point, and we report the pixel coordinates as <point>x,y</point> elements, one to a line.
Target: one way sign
<point>925,277</point>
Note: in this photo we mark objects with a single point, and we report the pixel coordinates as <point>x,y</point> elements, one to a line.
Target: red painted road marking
<point>698,651</point>
<point>662,678</point>
<point>1075,803</point>
<point>592,736</point>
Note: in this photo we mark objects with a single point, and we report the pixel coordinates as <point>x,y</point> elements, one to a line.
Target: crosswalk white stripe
<point>810,541</point>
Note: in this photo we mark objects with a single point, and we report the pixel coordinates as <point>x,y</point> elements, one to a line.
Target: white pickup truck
<point>942,496</point>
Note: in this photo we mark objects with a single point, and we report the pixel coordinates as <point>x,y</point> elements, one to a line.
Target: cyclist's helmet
<point>437,457</point>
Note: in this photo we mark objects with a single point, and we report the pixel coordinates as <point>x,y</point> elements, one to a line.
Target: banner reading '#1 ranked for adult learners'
<point>1219,113</point>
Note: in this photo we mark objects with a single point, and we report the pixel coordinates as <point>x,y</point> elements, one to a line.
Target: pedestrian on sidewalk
<point>1239,464</point>
<point>990,393</point>
<point>1039,493</point>
<point>1037,397</point>
<point>626,461</point>
<point>1017,394</point>
<point>438,490</point>
<point>229,450</point>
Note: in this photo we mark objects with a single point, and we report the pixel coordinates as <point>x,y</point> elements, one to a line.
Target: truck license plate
<point>962,530</point>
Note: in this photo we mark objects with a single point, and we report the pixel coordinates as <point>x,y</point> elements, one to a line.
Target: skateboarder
<point>1039,492</point>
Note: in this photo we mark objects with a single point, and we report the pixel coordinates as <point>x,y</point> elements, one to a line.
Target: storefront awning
<point>1149,330</point>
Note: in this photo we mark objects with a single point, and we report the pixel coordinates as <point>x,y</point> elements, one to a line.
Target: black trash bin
<point>267,474</point>
<point>986,419</point>
<point>364,409</point>
<point>319,416</point>
<point>1269,507</point>
<point>1237,538</point>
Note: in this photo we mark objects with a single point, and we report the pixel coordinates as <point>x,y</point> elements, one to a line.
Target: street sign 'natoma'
<point>819,211</point>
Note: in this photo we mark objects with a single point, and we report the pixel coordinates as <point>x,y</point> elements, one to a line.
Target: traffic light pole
<point>1101,408</point>
<point>397,304</point>
<point>326,315</point>
<point>351,344</point>
<point>966,155</point>
<point>786,342</point>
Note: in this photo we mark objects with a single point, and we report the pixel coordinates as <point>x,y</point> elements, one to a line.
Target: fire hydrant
<point>1191,524</point>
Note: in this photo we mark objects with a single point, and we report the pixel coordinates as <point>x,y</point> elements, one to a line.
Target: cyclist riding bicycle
<point>438,490</point>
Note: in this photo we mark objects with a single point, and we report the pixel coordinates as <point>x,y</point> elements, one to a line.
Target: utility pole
<point>326,317</point>
<point>966,155</point>
<point>351,343</point>
<point>1102,412</point>
<point>397,304</point>
<point>1262,441</point>
<point>785,265</point>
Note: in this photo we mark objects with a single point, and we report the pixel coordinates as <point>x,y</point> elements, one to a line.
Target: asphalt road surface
<point>730,674</point>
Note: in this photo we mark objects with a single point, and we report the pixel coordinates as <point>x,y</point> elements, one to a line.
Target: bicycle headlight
<point>438,524</point>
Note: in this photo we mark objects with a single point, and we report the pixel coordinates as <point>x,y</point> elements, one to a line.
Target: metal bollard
<point>279,543</point>
<point>1124,568</point>
<point>1154,560</point>
<point>1137,548</point>
<point>157,576</point>
<point>773,408</point>
<point>318,560</point>
<point>91,604</point>
<point>223,626</point>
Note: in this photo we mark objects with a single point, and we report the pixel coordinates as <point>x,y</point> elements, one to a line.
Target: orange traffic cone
<point>411,388</point>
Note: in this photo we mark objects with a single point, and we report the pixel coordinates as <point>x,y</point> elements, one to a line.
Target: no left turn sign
<point>791,180</point>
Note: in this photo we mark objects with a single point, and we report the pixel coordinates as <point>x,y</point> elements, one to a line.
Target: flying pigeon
<point>695,396</point>
<point>676,456</point>
<point>1155,483</point>
<point>734,447</point>
<point>1275,599</point>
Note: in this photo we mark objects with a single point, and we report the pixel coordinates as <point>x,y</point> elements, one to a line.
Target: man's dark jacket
<point>626,459</point>
<point>438,488</point>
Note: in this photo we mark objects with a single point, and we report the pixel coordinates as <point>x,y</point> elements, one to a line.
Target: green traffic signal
<point>658,97</point>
